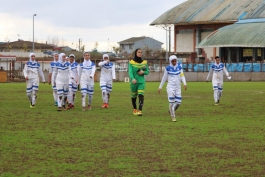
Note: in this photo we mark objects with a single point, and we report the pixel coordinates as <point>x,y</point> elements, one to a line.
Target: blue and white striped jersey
<point>217,70</point>
<point>107,71</point>
<point>74,70</point>
<point>61,73</point>
<point>174,75</point>
<point>32,70</point>
<point>85,72</point>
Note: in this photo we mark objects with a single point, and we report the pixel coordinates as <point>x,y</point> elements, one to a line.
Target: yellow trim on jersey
<point>141,91</point>
<point>144,62</point>
<point>181,74</point>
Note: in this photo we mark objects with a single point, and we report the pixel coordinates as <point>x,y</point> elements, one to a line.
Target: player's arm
<point>113,72</point>
<point>209,74</point>
<point>55,74</point>
<point>146,71</point>
<point>226,73</point>
<point>183,79</point>
<point>164,78</point>
<point>93,71</point>
<point>41,74</point>
<point>25,71</point>
<point>131,76</point>
<point>102,63</point>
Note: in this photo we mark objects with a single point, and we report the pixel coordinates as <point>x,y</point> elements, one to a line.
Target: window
<point>186,31</point>
<point>130,46</point>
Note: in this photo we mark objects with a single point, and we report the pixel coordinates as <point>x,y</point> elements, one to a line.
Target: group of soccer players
<point>65,76</point>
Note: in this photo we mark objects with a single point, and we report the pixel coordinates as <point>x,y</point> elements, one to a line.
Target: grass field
<point>207,140</point>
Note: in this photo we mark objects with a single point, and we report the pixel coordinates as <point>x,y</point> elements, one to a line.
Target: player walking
<point>51,73</point>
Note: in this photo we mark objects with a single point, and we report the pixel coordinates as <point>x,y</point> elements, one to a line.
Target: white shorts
<point>87,89</point>
<point>62,89</point>
<point>217,86</point>
<point>174,95</point>
<point>73,85</point>
<point>32,84</point>
<point>106,86</point>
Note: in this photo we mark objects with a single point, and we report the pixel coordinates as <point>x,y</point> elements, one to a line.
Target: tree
<point>25,47</point>
<point>147,52</point>
<point>96,47</point>
<point>116,50</point>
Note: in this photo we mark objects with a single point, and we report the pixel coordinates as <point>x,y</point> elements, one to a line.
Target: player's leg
<point>35,88</point>
<point>171,100</point>
<point>215,93</point>
<point>103,87</point>
<point>74,90</point>
<point>133,88</point>
<point>83,93</point>
<point>178,98</point>
<point>29,87</point>
<point>90,91</point>
<point>109,89</point>
<point>140,91</point>
<point>220,91</point>
<point>59,96</point>
<point>65,94</point>
<point>70,95</point>
<point>54,92</point>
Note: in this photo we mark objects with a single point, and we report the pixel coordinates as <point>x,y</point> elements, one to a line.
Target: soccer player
<point>217,70</point>
<point>61,79</point>
<point>73,81</point>
<point>86,73</point>
<point>107,75</point>
<point>138,68</point>
<point>51,73</point>
<point>174,74</point>
<point>32,71</point>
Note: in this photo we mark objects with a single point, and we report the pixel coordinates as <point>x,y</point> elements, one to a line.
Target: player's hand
<point>207,81</point>
<point>229,77</point>
<point>44,82</point>
<point>134,81</point>
<point>26,78</point>
<point>140,72</point>
<point>49,82</point>
<point>185,87</point>
<point>159,90</point>
<point>91,77</point>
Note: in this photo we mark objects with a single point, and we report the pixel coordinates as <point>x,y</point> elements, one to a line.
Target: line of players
<point>66,76</point>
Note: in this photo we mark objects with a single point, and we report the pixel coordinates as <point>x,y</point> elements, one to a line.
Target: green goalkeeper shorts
<point>137,89</point>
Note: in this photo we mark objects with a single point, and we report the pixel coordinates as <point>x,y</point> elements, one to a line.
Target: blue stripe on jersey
<point>179,98</point>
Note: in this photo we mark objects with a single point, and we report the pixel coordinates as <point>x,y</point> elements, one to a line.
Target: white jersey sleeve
<point>164,79</point>
<point>41,74</point>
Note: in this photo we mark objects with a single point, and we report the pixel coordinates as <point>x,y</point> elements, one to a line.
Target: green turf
<point>207,140</point>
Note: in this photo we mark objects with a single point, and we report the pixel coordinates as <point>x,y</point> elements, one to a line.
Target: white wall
<point>185,43</point>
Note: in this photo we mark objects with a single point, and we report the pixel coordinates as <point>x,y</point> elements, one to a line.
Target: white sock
<point>215,95</point>
<point>34,96</point>
<point>55,95</point>
<point>70,96</point>
<point>172,109</point>
<point>83,99</point>
<point>60,100</point>
<point>90,98</point>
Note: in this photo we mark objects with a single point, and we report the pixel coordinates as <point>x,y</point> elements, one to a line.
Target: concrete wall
<point>190,76</point>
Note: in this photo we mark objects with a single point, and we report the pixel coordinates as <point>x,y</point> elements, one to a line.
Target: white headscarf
<point>86,63</point>
<point>61,58</point>
<point>54,57</point>
<point>72,55</point>
<point>31,59</point>
<point>105,55</point>
<point>172,57</point>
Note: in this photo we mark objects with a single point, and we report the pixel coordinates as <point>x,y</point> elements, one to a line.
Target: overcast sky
<point>104,21</point>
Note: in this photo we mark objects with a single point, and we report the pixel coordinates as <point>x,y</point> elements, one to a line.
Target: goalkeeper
<point>137,69</point>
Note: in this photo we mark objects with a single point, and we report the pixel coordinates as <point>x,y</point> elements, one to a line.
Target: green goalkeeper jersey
<point>134,67</point>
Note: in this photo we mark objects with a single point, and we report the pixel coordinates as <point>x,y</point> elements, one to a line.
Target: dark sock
<point>141,102</point>
<point>134,102</point>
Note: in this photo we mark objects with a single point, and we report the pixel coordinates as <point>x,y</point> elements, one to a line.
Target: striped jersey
<point>74,70</point>
<point>217,70</point>
<point>85,72</point>
<point>61,73</point>
<point>32,70</point>
<point>174,75</point>
<point>107,71</point>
